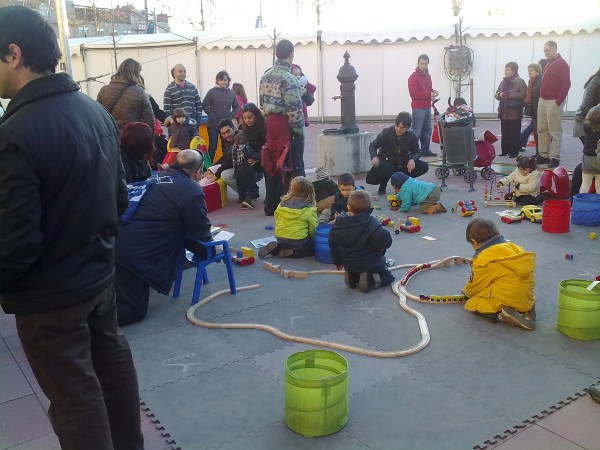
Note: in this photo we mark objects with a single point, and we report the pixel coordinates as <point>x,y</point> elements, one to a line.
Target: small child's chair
<point>200,265</point>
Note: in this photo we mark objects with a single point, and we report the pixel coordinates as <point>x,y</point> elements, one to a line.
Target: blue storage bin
<point>586,210</point>
<point>321,240</point>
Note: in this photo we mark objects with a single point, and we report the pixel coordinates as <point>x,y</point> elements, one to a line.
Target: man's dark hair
<point>225,123</point>
<point>423,57</point>
<point>404,118</point>
<point>36,39</point>
<point>552,44</point>
<point>284,49</point>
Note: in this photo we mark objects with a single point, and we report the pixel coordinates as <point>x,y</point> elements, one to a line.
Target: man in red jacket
<point>421,93</point>
<point>556,81</point>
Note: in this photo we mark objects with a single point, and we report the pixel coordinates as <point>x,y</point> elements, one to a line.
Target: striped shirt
<point>185,97</point>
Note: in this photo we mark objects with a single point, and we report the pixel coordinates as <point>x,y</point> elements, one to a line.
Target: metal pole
<point>63,34</point>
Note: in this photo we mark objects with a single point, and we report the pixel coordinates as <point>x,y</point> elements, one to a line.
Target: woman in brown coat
<point>511,93</point>
<point>125,98</point>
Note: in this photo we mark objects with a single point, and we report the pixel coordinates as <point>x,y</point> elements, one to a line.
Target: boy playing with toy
<point>358,243</point>
<point>346,184</point>
<point>415,192</point>
<point>501,285</point>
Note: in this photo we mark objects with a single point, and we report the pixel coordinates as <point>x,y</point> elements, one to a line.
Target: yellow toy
<point>394,202</point>
<point>466,208</point>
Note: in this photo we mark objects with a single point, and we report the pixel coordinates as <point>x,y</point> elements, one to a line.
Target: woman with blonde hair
<point>295,222</point>
<point>125,97</point>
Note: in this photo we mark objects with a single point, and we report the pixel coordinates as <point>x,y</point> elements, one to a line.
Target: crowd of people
<point>73,296</point>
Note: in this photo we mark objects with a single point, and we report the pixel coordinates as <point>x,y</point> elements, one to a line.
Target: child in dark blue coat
<point>358,243</point>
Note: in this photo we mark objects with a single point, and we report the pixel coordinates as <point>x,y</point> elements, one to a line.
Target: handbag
<point>372,176</point>
<point>515,103</point>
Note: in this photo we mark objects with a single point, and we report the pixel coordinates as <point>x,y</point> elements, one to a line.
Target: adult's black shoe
<point>429,154</point>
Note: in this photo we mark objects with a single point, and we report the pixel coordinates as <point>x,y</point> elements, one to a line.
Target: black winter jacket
<point>359,242</point>
<point>339,205</point>
<point>61,188</point>
<point>148,243</point>
<point>397,150</point>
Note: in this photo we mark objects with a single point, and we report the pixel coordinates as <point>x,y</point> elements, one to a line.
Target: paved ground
<point>475,384</point>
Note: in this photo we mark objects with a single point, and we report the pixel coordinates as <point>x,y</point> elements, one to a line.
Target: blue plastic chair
<point>200,265</point>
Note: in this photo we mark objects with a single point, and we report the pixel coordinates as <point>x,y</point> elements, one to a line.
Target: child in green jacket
<point>295,221</point>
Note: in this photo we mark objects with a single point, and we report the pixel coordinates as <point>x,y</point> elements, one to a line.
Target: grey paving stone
<point>24,410</point>
<point>47,442</point>
<point>13,385</point>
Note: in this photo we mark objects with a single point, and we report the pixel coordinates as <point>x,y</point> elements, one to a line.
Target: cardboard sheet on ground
<point>258,243</point>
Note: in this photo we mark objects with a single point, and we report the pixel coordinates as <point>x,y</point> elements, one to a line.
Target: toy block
<point>247,252</point>
<point>271,267</point>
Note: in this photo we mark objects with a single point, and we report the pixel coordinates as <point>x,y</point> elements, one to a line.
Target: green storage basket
<point>316,392</point>
<point>578,309</point>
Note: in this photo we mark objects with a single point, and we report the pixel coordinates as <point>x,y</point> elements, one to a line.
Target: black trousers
<point>245,180</point>
<point>83,363</point>
<point>576,180</point>
<point>273,193</point>
<point>385,170</point>
<point>510,142</point>
<point>133,295</point>
<point>297,147</point>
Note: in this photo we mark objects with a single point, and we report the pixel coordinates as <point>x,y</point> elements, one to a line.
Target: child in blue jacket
<point>418,193</point>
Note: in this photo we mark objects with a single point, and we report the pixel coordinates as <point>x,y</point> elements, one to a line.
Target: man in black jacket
<point>149,243</point>
<point>62,186</point>
<point>395,149</point>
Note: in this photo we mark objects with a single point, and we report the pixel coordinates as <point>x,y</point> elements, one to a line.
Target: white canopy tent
<point>382,59</point>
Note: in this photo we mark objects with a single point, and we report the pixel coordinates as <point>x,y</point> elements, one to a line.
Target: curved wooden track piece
<point>397,288</point>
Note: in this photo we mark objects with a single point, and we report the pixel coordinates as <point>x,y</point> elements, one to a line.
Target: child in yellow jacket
<point>501,285</point>
<point>295,222</point>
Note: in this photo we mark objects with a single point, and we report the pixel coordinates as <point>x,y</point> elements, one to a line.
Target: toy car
<point>532,212</point>
<point>385,221</point>
<point>466,208</point>
<point>394,203</point>
<point>511,218</point>
<point>244,261</point>
<point>409,228</point>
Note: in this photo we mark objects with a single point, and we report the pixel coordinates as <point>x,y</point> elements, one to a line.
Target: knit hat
<point>322,173</point>
<point>398,179</point>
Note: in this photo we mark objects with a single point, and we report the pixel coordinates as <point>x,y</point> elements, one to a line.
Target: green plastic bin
<point>316,392</point>
<point>578,309</point>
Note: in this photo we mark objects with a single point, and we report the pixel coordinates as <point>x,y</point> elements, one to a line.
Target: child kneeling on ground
<point>295,221</point>
<point>501,285</point>
<point>418,193</point>
<point>358,243</point>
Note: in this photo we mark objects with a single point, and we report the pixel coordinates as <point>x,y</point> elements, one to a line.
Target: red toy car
<point>247,260</point>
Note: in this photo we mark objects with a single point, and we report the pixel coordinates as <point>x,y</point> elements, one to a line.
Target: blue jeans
<point>421,125</point>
